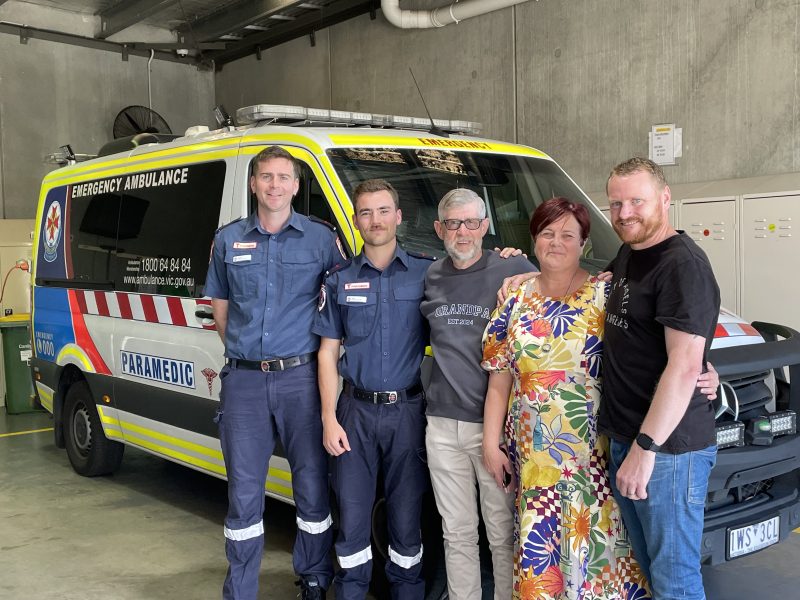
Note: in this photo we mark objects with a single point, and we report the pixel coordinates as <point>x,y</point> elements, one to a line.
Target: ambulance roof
<point>315,139</point>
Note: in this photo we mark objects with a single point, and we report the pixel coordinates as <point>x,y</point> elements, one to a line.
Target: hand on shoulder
<point>512,284</point>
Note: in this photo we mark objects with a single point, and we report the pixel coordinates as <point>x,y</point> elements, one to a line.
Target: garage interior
<point>589,82</point>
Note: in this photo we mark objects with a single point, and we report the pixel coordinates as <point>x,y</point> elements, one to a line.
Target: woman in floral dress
<point>546,341</point>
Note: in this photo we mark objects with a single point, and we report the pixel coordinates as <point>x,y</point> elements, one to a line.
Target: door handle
<point>204,311</point>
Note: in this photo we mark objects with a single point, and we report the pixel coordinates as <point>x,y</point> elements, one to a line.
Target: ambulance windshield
<point>512,186</point>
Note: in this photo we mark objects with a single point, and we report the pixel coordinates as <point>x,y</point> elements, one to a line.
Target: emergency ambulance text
<point>131,182</point>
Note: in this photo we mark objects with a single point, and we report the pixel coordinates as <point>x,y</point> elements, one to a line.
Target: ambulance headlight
<point>730,434</point>
<point>783,422</point>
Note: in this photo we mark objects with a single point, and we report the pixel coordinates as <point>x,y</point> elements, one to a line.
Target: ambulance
<point>125,351</point>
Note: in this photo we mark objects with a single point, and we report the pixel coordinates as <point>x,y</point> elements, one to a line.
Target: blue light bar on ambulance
<point>250,115</point>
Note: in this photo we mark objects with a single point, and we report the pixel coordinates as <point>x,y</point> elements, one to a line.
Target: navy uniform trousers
<point>391,437</point>
<point>254,408</point>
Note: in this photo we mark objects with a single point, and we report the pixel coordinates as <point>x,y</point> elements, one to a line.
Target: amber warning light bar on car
<point>299,115</point>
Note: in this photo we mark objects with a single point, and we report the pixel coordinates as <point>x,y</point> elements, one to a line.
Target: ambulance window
<point>310,199</point>
<point>166,225</point>
<point>93,237</point>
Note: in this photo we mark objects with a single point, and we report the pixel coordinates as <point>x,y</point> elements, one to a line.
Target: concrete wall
<point>363,65</point>
<point>583,80</point>
<point>292,73</point>
<point>53,94</point>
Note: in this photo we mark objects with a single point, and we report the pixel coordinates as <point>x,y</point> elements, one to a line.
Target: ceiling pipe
<point>444,15</point>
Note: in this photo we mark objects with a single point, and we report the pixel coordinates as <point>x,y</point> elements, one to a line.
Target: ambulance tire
<point>90,452</point>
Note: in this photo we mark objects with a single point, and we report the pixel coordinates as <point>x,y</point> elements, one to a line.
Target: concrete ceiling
<point>214,31</point>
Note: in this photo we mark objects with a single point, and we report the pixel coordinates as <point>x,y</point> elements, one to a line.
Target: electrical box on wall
<point>711,223</point>
<point>769,248</point>
<point>745,226</point>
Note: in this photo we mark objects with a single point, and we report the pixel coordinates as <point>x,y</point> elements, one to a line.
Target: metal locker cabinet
<point>711,222</point>
<point>770,255</point>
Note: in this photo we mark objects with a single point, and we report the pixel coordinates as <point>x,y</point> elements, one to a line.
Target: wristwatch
<point>646,443</point>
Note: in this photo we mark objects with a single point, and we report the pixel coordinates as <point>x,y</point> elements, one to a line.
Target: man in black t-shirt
<point>660,320</point>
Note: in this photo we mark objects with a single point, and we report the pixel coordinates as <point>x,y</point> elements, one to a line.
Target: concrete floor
<point>154,531</point>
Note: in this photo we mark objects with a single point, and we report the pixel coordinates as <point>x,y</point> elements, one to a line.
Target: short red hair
<point>553,209</point>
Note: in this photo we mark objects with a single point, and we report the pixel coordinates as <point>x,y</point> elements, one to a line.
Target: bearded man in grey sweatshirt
<point>460,295</point>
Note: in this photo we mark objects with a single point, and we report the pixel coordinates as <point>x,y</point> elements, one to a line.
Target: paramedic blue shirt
<point>377,315</point>
<point>271,283</point>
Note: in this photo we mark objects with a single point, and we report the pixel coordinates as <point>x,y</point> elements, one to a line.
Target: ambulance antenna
<point>434,129</point>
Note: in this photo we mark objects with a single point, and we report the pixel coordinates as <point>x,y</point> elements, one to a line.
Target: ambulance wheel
<point>90,451</point>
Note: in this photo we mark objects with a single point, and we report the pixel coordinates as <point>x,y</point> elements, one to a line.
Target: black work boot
<point>310,589</point>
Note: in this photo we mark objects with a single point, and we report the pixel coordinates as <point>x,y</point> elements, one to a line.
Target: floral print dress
<point>569,537</point>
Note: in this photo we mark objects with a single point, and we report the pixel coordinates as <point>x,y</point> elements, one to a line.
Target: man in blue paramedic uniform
<point>264,281</point>
<point>371,304</point>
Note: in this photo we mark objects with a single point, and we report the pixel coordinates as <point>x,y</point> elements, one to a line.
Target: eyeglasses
<point>455,224</point>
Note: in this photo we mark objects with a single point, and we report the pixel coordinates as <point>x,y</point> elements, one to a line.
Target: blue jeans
<point>666,528</point>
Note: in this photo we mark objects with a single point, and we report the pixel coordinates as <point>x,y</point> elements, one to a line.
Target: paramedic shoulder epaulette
<point>338,267</point>
<point>420,255</point>
<point>322,222</point>
<point>221,227</point>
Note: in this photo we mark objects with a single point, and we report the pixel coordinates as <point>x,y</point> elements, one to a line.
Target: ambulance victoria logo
<point>52,230</point>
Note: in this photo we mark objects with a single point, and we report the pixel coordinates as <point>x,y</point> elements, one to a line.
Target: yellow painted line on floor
<point>2,435</point>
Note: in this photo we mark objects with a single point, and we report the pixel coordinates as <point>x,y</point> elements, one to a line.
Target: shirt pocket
<point>244,268</point>
<point>302,271</point>
<point>359,309</point>
<point>407,298</point>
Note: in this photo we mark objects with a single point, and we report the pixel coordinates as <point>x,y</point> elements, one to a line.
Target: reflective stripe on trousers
<point>391,438</point>
<point>256,408</point>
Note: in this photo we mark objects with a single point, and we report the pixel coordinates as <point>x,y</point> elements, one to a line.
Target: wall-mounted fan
<point>138,119</point>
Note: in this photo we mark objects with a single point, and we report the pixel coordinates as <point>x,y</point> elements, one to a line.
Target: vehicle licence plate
<point>744,540</point>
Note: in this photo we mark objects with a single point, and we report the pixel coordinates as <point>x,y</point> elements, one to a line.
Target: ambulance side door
<point>167,353</point>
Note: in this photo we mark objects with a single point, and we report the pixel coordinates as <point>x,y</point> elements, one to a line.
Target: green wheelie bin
<point>16,334</point>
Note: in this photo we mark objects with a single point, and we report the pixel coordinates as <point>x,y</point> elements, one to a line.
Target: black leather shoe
<point>310,589</point>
